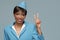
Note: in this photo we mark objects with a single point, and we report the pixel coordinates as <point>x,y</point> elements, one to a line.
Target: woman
<point>20,29</point>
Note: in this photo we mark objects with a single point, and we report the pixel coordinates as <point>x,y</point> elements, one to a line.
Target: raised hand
<point>38,23</point>
<point>37,20</point>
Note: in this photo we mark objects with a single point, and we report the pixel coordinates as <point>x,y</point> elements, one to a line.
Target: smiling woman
<point>20,29</point>
<point>19,14</point>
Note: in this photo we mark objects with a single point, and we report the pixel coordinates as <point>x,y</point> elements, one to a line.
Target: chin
<point>20,22</point>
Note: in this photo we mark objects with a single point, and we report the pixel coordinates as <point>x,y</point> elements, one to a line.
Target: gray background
<point>49,14</point>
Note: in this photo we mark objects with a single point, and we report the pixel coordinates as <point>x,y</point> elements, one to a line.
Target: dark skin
<point>19,18</point>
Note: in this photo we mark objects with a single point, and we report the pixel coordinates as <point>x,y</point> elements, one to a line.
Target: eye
<point>23,14</point>
<point>17,13</point>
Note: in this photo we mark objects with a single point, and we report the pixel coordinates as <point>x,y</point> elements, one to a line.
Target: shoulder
<point>7,28</point>
<point>30,24</point>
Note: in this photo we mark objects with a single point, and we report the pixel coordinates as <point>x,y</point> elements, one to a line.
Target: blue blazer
<point>28,33</point>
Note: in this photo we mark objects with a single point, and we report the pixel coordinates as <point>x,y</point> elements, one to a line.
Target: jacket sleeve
<point>5,35</point>
<point>36,36</point>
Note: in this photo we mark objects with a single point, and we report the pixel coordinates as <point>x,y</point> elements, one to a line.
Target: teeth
<point>20,20</point>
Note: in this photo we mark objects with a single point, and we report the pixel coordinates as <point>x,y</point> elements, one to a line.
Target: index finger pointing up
<point>36,16</point>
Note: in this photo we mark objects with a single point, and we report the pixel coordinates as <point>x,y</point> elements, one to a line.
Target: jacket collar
<point>22,32</point>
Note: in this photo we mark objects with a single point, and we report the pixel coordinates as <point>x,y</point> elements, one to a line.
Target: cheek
<point>16,17</point>
<point>24,17</point>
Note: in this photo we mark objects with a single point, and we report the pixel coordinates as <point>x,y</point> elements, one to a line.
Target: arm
<point>36,35</point>
<point>37,30</point>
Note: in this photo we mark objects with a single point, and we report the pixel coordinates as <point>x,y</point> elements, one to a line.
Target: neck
<point>18,24</point>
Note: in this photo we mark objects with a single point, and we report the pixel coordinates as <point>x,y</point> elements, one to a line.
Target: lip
<point>19,19</point>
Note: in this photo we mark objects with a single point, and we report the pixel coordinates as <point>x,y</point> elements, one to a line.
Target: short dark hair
<point>17,8</point>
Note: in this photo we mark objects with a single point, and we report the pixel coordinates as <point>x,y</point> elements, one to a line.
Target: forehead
<point>20,12</point>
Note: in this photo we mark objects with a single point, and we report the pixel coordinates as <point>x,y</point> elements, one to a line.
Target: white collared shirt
<point>20,30</point>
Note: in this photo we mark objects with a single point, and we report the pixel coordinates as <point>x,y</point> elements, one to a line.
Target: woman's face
<point>19,16</point>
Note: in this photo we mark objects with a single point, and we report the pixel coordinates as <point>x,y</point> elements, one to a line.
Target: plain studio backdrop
<point>49,14</point>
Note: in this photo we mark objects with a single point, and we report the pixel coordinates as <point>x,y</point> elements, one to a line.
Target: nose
<point>20,16</point>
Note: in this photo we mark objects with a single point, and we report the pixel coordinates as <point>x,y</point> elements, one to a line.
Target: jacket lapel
<point>12,31</point>
<point>22,32</point>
